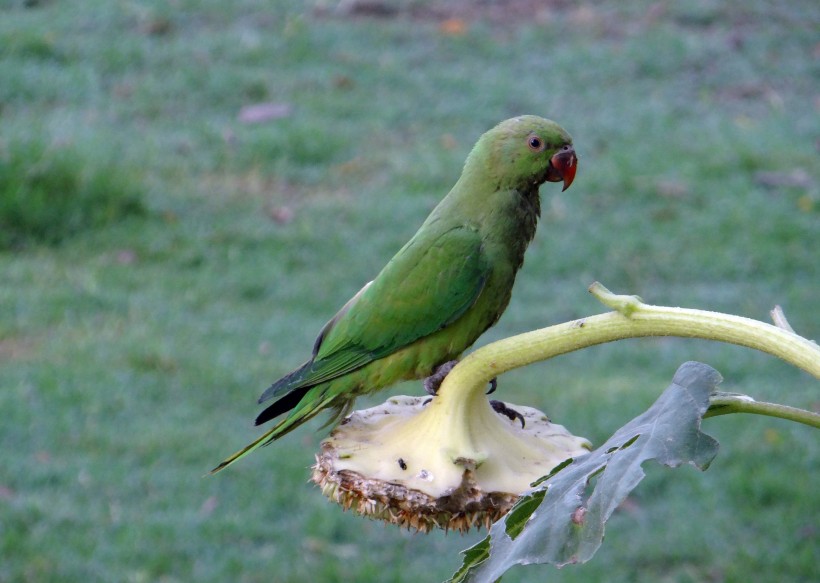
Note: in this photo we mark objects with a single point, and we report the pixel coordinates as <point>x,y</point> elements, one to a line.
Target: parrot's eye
<point>535,143</point>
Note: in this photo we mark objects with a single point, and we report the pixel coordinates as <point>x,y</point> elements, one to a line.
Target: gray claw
<point>433,382</point>
<point>500,407</point>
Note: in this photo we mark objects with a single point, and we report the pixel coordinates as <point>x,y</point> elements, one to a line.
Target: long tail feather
<point>285,426</point>
<point>266,438</point>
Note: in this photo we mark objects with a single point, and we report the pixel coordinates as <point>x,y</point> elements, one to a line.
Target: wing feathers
<point>423,289</point>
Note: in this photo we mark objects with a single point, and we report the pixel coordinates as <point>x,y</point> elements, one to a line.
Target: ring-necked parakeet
<point>442,290</point>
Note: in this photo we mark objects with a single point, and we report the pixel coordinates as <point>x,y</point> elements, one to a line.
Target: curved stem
<point>633,319</point>
<point>726,403</point>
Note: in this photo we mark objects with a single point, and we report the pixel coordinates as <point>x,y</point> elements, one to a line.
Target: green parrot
<point>441,291</point>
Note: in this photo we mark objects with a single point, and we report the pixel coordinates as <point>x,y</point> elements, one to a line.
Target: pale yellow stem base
<point>633,319</point>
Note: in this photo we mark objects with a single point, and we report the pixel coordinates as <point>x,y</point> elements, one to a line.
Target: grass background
<point>131,353</point>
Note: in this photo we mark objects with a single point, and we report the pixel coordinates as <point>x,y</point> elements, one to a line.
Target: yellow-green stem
<point>723,404</point>
<point>633,319</point>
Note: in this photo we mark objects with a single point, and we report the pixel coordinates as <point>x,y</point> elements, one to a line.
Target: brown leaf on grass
<point>805,203</point>
<point>448,141</point>
<point>15,348</point>
<point>208,506</point>
<point>796,178</point>
<point>156,26</point>
<point>351,167</point>
<point>671,188</point>
<point>281,215</point>
<point>371,8</point>
<point>126,257</point>
<point>262,112</point>
<point>343,82</point>
<point>585,15</point>
<point>453,27</point>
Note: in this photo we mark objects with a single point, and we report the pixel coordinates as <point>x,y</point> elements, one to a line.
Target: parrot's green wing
<point>424,288</point>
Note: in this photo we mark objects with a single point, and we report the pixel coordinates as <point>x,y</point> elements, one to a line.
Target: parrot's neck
<point>506,218</point>
<point>512,226</point>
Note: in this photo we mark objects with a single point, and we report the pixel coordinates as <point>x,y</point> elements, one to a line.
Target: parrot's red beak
<point>563,166</point>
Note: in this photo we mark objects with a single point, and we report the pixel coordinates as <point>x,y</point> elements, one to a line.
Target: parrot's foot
<point>433,382</point>
<point>493,385</point>
<point>500,407</point>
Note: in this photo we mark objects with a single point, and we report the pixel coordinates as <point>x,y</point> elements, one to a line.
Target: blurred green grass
<point>131,355</point>
<point>50,192</point>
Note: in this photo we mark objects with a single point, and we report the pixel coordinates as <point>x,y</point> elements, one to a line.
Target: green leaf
<point>559,523</point>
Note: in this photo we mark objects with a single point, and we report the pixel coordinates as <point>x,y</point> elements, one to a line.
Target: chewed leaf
<point>557,523</point>
<point>520,514</point>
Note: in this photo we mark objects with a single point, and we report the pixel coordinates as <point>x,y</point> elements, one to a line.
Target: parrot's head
<point>527,151</point>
